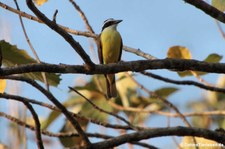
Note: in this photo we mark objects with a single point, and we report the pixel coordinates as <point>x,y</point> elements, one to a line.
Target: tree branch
<point>185,82</point>
<point>136,66</point>
<point>37,125</point>
<point>162,132</point>
<point>138,52</point>
<point>83,16</point>
<point>208,9</point>
<point>76,46</point>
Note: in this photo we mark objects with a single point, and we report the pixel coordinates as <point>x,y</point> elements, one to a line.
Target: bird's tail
<point>111,85</point>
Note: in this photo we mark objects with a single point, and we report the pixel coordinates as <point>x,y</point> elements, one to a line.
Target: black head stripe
<point>108,22</point>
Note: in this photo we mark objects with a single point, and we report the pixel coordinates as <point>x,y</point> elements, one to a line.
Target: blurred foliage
<point>40,2</point>
<point>210,102</point>
<point>12,56</point>
<point>94,90</point>
<point>213,100</point>
<point>2,85</point>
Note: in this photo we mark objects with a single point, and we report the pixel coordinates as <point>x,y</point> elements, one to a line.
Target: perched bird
<point>109,51</point>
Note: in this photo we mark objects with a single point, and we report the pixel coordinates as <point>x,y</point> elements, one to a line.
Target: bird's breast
<point>111,46</point>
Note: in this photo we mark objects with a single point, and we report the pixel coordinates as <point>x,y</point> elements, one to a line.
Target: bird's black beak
<point>118,21</point>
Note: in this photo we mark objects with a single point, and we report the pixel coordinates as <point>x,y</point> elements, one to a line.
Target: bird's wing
<point>121,48</point>
<point>99,44</point>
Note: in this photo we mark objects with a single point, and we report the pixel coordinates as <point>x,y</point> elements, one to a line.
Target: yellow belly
<point>111,44</point>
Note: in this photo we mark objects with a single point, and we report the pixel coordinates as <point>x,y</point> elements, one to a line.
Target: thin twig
<point>54,16</point>
<point>220,29</point>
<point>169,114</point>
<point>185,82</point>
<point>195,74</point>
<point>31,46</point>
<point>37,125</point>
<point>139,53</point>
<point>83,16</point>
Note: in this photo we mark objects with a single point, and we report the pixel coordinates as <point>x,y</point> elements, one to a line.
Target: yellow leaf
<point>2,85</point>
<point>40,2</point>
<point>179,52</point>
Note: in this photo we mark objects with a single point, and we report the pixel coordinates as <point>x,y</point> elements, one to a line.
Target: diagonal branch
<point>83,16</point>
<point>37,124</point>
<point>208,9</point>
<point>76,46</point>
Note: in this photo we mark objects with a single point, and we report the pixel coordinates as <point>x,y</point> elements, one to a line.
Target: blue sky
<point>153,26</point>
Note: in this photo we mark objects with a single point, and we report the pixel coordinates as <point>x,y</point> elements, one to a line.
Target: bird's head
<point>110,23</point>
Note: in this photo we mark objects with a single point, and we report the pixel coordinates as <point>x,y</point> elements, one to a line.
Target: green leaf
<point>166,91</point>
<point>219,4</point>
<point>213,58</point>
<point>13,56</point>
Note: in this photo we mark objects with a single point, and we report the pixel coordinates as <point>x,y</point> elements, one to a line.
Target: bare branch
<point>159,132</point>
<point>208,9</point>
<point>186,82</point>
<point>139,53</point>
<point>37,125</point>
<point>137,66</point>
<point>83,16</point>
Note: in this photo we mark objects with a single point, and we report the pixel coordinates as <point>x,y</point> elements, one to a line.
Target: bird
<point>110,51</point>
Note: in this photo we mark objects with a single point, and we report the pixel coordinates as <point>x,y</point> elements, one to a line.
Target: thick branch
<point>208,9</point>
<point>159,132</point>
<point>76,46</point>
<point>136,66</point>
